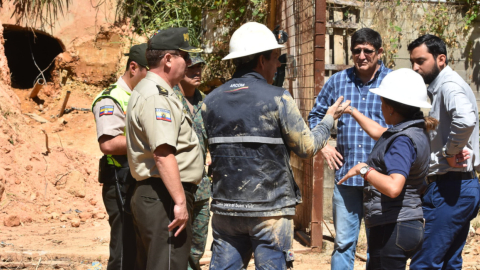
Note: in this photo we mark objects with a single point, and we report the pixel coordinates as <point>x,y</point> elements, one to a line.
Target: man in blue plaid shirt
<point>353,144</point>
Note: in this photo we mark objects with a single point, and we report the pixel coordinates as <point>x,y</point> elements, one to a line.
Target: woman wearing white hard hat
<point>396,169</point>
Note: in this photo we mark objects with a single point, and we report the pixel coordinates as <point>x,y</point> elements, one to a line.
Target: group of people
<point>156,130</point>
<point>412,178</point>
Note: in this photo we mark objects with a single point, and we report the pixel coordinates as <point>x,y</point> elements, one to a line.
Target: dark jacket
<point>252,126</point>
<point>380,209</point>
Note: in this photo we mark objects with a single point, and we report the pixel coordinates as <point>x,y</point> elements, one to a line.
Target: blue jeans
<point>347,217</point>
<point>391,245</point>
<point>448,207</point>
<point>236,238</point>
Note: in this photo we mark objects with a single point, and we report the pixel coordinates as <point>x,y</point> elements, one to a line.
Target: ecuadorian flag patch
<point>163,114</point>
<point>106,110</point>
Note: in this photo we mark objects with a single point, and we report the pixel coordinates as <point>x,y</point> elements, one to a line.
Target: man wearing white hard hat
<point>252,126</point>
<point>395,170</point>
<point>452,198</point>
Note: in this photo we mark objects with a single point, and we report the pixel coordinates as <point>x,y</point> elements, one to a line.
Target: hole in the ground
<point>20,44</point>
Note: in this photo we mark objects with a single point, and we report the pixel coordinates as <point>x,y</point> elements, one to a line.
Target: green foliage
<point>148,16</point>
<point>451,21</point>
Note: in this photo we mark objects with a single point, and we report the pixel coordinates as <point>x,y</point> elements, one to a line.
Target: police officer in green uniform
<point>109,109</point>
<point>164,155</point>
<point>192,100</point>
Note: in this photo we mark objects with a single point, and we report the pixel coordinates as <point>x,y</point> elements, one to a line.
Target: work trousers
<point>448,206</point>
<point>391,245</point>
<point>235,238</point>
<point>201,218</point>
<point>122,232</point>
<point>152,208</point>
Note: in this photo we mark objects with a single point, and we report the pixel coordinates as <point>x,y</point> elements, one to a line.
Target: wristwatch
<point>364,170</point>
<point>444,153</point>
<point>352,109</point>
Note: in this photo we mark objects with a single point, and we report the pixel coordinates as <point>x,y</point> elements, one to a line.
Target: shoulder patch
<point>106,110</point>
<point>163,115</point>
<point>162,91</point>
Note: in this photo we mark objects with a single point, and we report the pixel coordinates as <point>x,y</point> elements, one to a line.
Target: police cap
<point>172,39</point>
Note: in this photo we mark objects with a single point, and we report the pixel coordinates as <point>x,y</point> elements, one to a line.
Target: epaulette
<point>162,91</point>
<point>108,90</point>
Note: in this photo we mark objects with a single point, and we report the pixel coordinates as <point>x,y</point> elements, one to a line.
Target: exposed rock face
<point>4,70</point>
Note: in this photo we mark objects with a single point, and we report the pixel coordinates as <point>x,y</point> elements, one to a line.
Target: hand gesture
<point>332,156</point>
<point>352,172</point>
<point>348,110</point>
<point>181,218</point>
<point>336,110</point>
<point>458,160</point>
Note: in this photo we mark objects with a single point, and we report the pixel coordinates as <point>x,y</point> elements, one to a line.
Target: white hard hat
<point>251,38</point>
<point>404,86</point>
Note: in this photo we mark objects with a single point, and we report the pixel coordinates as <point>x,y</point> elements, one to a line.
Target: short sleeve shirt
<point>155,116</point>
<point>113,122</point>
<point>400,156</point>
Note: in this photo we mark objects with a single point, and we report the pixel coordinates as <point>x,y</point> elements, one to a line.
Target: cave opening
<point>28,53</point>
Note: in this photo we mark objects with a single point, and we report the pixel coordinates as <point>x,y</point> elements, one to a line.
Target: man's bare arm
<point>110,145</point>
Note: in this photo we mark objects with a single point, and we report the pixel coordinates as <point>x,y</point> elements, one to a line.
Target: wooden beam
<point>65,101</point>
<point>337,67</point>
<point>342,25</point>
<point>339,56</point>
<point>350,3</point>
<point>272,14</point>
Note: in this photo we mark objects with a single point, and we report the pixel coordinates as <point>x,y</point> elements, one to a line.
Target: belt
<point>451,176</point>
<point>192,188</point>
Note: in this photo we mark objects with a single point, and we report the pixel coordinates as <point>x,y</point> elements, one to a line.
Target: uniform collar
<point>121,82</point>
<point>406,124</point>
<point>197,96</point>
<point>439,80</point>
<point>160,81</point>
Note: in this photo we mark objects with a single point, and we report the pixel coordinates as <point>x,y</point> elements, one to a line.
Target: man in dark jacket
<point>252,126</point>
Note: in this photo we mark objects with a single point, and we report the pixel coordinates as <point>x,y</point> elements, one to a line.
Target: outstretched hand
<point>337,109</point>
<point>352,172</point>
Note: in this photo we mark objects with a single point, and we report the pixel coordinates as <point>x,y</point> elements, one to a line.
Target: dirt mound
<point>40,182</point>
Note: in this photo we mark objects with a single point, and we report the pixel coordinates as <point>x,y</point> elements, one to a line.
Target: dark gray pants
<point>122,233</point>
<point>152,208</point>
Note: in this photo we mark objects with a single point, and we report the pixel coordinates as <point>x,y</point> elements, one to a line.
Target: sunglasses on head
<point>365,51</point>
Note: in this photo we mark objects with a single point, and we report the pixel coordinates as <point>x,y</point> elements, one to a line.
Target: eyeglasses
<point>185,57</point>
<point>365,51</point>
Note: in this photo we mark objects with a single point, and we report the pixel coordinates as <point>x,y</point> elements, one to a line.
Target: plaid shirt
<point>353,143</point>
<point>203,191</point>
